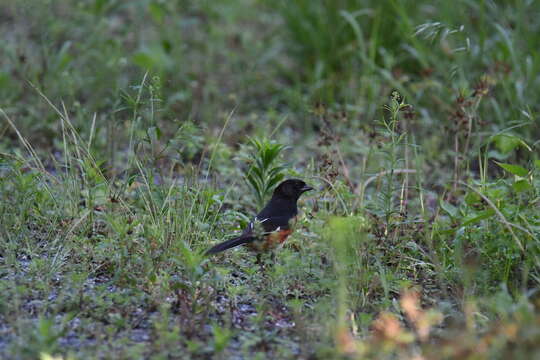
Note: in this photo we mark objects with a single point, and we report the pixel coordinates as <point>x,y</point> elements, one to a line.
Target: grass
<point>136,135</point>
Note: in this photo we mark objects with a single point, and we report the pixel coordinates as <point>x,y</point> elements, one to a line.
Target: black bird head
<point>291,189</point>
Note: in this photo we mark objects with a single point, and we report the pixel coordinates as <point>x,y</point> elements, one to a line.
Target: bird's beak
<point>306,188</point>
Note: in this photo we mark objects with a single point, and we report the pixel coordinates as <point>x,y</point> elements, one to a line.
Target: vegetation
<point>134,135</point>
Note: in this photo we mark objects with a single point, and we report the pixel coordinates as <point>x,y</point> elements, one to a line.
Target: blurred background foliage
<point>206,58</point>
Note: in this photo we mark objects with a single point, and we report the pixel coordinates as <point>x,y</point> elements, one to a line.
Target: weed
<point>265,171</point>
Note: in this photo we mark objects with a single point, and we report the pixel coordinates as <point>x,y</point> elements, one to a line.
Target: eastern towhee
<point>276,220</point>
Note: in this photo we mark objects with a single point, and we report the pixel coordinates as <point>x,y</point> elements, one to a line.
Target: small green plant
<point>265,170</point>
<point>44,337</point>
<point>394,156</point>
<point>222,336</point>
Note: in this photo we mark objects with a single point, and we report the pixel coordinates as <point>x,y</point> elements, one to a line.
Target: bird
<point>276,219</point>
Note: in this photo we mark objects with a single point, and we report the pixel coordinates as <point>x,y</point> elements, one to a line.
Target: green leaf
<point>449,208</point>
<point>505,143</point>
<point>255,143</point>
<point>154,133</point>
<point>64,57</point>
<point>267,157</point>
<point>258,172</point>
<point>479,216</point>
<point>253,183</point>
<point>275,180</point>
<point>537,163</point>
<point>496,193</point>
<point>472,198</point>
<point>258,163</point>
<point>514,169</point>
<point>521,185</point>
<point>274,171</point>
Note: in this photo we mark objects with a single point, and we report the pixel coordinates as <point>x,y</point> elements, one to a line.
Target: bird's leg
<point>261,262</point>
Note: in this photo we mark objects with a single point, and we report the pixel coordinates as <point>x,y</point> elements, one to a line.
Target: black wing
<point>274,223</point>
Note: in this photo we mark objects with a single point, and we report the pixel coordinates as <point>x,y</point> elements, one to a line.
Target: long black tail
<point>229,244</point>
